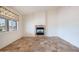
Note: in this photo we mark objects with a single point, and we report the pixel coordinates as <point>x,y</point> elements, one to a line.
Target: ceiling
<point>25,10</point>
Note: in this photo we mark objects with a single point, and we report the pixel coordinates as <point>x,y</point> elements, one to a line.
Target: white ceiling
<point>24,10</point>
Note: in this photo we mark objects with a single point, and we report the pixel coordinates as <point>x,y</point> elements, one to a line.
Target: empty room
<point>39,29</point>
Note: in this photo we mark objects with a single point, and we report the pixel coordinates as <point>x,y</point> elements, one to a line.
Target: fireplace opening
<point>40,30</point>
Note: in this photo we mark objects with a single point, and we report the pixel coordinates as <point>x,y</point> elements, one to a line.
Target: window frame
<point>5,25</point>
<point>15,29</point>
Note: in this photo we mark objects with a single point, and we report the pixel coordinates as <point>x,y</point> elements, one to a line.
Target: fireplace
<point>40,30</point>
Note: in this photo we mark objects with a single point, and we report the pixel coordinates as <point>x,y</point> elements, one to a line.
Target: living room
<point>58,23</point>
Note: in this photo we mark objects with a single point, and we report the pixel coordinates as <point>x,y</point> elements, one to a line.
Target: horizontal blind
<point>5,13</point>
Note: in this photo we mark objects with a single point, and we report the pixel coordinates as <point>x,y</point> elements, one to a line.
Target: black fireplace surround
<point>40,30</point>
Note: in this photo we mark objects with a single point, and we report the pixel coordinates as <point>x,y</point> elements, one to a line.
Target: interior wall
<point>47,18</point>
<point>11,36</point>
<point>51,23</point>
<point>68,24</point>
<point>31,20</point>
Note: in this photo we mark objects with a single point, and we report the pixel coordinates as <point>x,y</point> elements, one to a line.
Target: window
<point>3,25</point>
<point>12,25</point>
<point>7,25</point>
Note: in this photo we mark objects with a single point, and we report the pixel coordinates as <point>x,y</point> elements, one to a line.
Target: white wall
<point>68,26</point>
<point>31,20</point>
<point>11,36</point>
<point>47,18</point>
<point>51,23</point>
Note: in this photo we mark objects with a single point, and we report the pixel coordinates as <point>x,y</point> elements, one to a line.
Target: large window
<point>7,25</point>
<point>3,24</point>
<point>12,25</point>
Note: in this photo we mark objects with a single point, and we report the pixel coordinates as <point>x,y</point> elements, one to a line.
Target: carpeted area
<point>40,44</point>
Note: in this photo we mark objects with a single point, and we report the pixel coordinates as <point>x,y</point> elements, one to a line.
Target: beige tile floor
<point>40,44</point>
